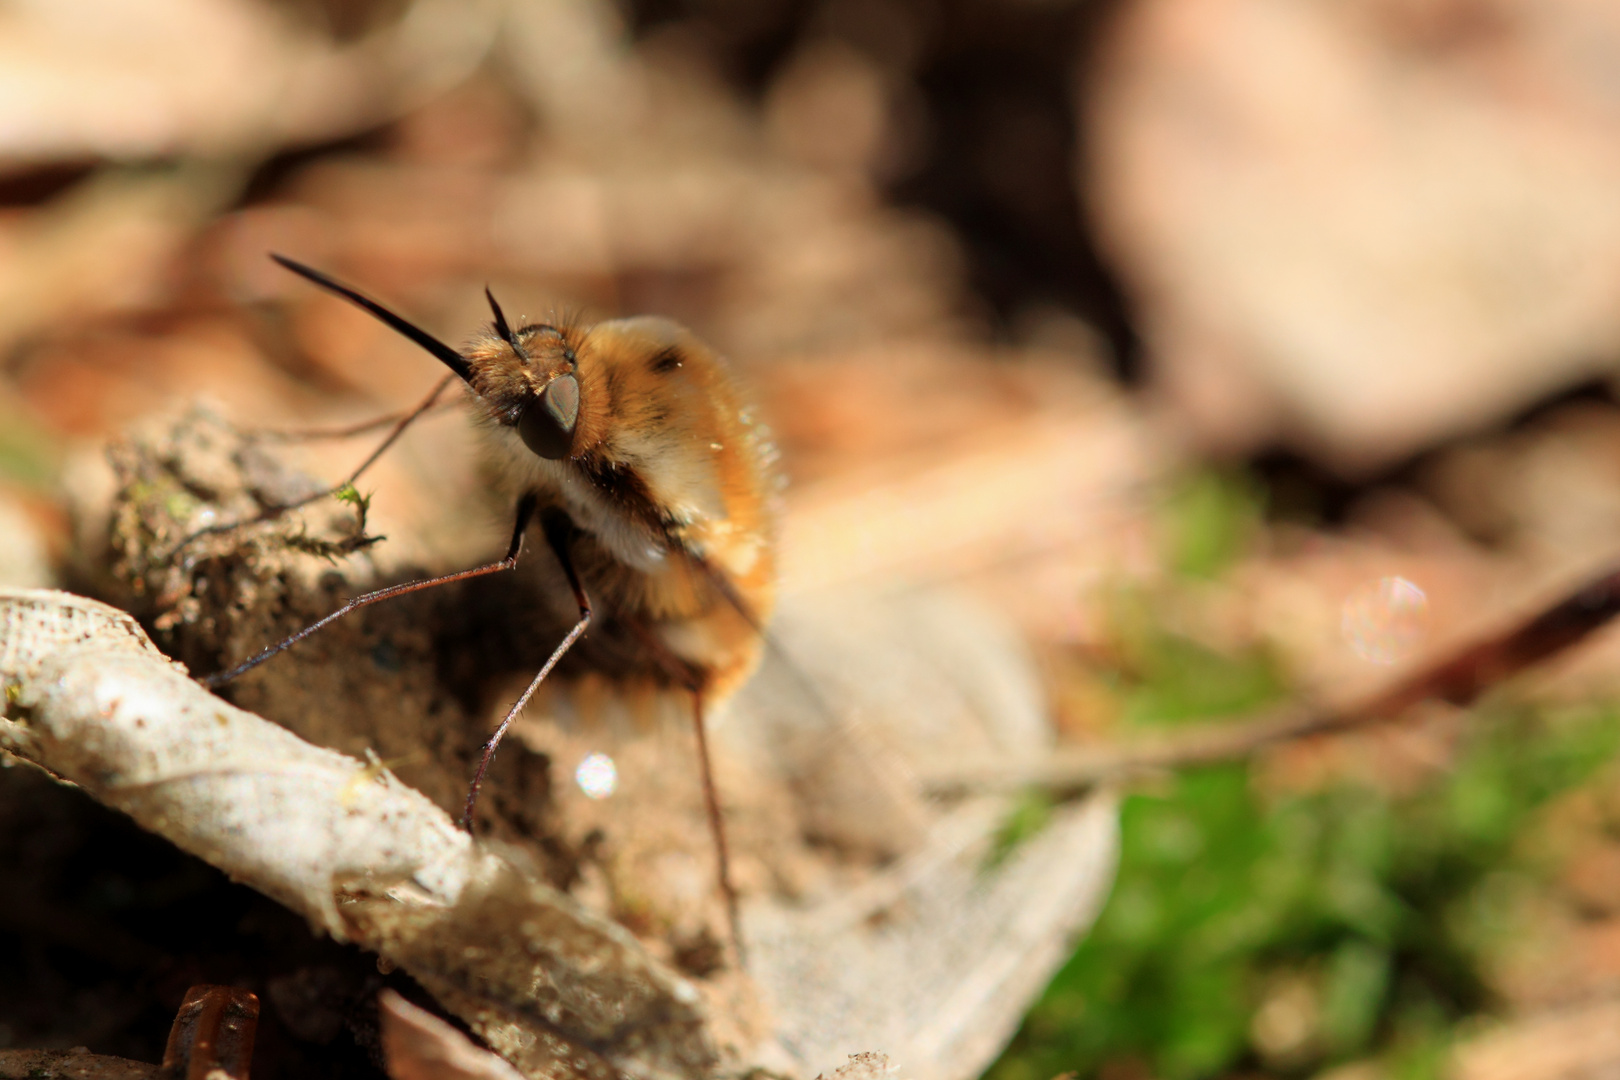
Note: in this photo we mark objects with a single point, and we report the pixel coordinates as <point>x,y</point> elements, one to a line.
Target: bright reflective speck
<point>597,776</point>
<point>1384,620</point>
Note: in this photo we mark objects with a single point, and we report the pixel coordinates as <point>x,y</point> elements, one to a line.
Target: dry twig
<point>1457,679</point>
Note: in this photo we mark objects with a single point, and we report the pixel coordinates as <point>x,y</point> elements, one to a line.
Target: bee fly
<point>631,448</point>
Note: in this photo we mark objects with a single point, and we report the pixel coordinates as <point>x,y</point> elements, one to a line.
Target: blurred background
<point>1241,351</point>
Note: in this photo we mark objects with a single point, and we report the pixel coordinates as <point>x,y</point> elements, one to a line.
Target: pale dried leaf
<point>214,78</point>
<point>556,989</point>
<point>866,1066</point>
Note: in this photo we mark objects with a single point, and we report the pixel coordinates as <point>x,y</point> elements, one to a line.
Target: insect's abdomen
<point>709,598</point>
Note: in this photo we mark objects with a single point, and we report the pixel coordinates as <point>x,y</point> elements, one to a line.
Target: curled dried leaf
<point>347,845</point>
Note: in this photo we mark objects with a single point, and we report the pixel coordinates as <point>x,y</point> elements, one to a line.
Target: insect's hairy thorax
<point>668,484</point>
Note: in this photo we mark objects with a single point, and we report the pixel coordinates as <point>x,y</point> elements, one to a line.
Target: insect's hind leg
<point>525,513</point>
<point>683,674</point>
<point>717,828</point>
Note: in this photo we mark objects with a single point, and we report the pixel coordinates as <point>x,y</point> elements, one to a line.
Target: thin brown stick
<point>1458,679</point>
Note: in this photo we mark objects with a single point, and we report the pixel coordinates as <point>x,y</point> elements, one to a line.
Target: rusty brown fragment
<point>1483,665</point>
<point>212,1035</point>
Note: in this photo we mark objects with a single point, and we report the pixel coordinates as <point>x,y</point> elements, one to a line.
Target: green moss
<point>1375,913</point>
<point>1365,897</point>
<point>1208,520</point>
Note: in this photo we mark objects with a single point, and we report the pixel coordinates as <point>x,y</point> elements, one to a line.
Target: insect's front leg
<point>558,529</point>
<point>525,514</point>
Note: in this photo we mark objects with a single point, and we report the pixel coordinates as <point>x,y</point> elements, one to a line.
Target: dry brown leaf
<point>1353,231</point>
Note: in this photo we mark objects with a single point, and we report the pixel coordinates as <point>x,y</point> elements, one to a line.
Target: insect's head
<point>528,377</point>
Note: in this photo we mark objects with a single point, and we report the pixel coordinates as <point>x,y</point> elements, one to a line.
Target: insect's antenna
<point>451,359</point>
<point>501,326</point>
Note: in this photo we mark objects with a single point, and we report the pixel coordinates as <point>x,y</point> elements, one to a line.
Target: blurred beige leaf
<point>213,78</point>
<point>106,245</point>
<point>1583,1041</point>
<point>1360,228</point>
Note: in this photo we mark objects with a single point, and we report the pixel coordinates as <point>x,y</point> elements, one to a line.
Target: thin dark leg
<point>684,674</point>
<point>558,529</point>
<point>399,429</point>
<point>274,512</point>
<point>525,513</point>
<point>314,434</point>
<point>717,826</point>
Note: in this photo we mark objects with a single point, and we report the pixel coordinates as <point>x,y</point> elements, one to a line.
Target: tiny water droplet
<point>597,776</point>
<point>1384,620</point>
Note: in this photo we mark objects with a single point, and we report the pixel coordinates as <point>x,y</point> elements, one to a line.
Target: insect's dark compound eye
<point>547,426</point>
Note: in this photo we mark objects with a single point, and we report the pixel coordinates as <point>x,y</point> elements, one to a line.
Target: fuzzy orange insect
<point>630,446</point>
